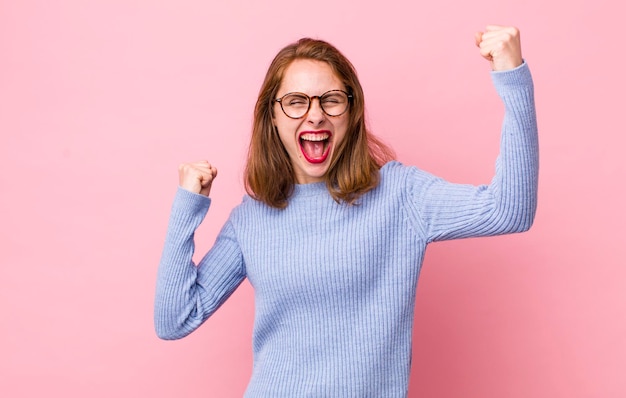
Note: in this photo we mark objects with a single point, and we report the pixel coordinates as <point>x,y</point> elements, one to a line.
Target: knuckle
<point>513,32</point>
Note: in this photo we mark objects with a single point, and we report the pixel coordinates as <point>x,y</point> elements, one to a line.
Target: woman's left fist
<point>501,46</point>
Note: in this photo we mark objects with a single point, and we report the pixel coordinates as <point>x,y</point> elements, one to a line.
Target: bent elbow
<point>174,325</point>
<point>174,319</point>
<point>524,221</point>
<point>165,334</point>
<point>169,333</point>
<point>167,326</point>
<point>524,227</point>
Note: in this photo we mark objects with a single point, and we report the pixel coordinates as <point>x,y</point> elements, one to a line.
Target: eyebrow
<point>302,92</point>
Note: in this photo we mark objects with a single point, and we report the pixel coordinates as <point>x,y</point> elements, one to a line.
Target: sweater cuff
<point>516,77</point>
<point>190,203</point>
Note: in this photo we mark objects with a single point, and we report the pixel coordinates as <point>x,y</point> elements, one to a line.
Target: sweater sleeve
<point>508,203</point>
<point>186,294</point>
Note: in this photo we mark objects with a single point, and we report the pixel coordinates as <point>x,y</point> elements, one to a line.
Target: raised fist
<point>197,177</point>
<point>500,45</point>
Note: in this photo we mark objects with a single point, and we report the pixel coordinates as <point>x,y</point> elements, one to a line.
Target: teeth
<point>314,137</point>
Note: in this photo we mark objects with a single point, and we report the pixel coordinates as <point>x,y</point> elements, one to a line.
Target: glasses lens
<point>295,105</point>
<point>334,103</point>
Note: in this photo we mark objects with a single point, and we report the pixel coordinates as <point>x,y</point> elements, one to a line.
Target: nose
<point>316,115</point>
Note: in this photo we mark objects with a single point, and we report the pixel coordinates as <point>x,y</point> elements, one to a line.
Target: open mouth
<point>315,145</point>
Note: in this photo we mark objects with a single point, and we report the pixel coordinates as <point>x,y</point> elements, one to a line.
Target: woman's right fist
<point>197,177</point>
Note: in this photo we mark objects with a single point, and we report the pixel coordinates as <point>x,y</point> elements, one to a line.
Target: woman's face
<point>310,140</point>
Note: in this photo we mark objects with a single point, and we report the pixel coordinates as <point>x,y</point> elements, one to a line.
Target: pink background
<point>100,101</point>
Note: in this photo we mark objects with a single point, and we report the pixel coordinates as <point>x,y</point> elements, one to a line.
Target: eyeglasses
<point>333,103</point>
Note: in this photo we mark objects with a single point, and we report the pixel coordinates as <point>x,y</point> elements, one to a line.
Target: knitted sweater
<point>335,284</point>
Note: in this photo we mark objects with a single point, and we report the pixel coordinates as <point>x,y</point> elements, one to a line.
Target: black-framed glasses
<point>333,103</point>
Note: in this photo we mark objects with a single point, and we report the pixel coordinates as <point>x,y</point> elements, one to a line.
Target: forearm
<point>175,312</point>
<point>515,184</point>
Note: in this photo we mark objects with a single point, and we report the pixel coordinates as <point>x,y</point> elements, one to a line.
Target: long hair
<point>354,168</point>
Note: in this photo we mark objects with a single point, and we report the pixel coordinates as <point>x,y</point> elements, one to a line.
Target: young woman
<point>333,232</point>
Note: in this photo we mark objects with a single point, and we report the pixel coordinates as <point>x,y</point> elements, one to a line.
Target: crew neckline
<point>310,189</point>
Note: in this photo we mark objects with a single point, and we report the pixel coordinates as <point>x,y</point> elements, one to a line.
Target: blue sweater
<point>335,284</point>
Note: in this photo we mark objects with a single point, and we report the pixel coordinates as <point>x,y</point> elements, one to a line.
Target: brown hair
<point>354,169</point>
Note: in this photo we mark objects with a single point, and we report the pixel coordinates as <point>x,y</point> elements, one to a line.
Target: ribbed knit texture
<point>335,284</point>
